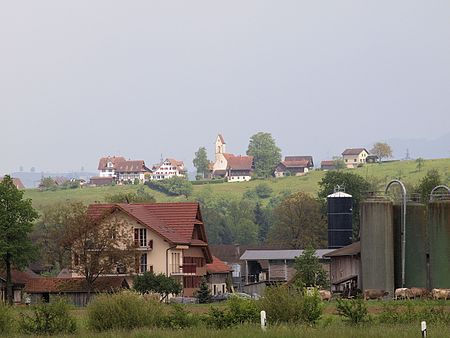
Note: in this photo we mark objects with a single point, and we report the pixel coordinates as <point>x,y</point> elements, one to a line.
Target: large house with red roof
<point>169,168</point>
<point>294,166</point>
<point>235,168</point>
<point>170,238</point>
<point>354,157</point>
<point>122,170</point>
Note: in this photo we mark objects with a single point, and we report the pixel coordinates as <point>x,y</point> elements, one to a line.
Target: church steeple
<point>220,144</point>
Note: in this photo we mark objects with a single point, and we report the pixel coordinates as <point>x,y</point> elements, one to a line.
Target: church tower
<point>220,146</point>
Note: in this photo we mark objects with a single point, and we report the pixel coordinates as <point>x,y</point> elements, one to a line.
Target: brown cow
<point>419,293</point>
<point>325,295</point>
<point>374,294</point>
<point>402,293</point>
<point>440,293</point>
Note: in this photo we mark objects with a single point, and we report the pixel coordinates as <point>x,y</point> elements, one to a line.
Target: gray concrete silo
<point>416,246</point>
<point>377,244</point>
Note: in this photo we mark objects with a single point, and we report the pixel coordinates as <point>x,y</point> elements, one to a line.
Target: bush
<point>6,319</point>
<point>354,310</point>
<point>290,305</point>
<point>174,186</point>
<point>52,318</point>
<point>263,190</point>
<point>238,311</point>
<point>126,310</point>
<point>409,312</point>
<point>180,318</point>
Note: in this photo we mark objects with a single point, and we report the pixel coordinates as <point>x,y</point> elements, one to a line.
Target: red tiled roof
<point>20,277</point>
<point>296,164</point>
<point>173,221</point>
<point>239,162</point>
<point>115,160</point>
<point>57,284</point>
<point>299,158</point>
<point>131,166</point>
<point>354,151</point>
<point>217,266</point>
<point>16,181</point>
<point>328,162</point>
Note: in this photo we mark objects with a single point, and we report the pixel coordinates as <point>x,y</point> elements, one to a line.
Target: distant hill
<point>31,180</point>
<point>382,173</point>
<point>421,147</point>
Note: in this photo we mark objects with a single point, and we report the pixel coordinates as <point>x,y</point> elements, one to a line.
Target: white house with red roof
<point>354,157</point>
<point>170,238</point>
<point>122,170</point>
<point>235,168</point>
<point>294,166</point>
<point>169,168</point>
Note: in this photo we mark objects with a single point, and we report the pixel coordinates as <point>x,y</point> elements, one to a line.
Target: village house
<point>169,238</point>
<point>328,165</point>
<point>354,157</point>
<point>17,182</point>
<point>234,168</point>
<point>167,169</point>
<point>121,170</point>
<point>19,280</point>
<point>218,276</point>
<point>294,166</point>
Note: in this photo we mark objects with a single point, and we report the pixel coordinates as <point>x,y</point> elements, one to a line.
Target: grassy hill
<point>405,170</point>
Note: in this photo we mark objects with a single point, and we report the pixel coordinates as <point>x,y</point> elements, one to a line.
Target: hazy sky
<point>83,79</point>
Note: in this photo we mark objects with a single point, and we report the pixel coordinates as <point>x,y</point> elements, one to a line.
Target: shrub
<point>180,318</point>
<point>126,310</point>
<point>6,319</point>
<point>242,310</point>
<point>263,190</point>
<point>312,308</point>
<point>52,318</point>
<point>218,319</point>
<point>354,310</point>
<point>174,186</point>
<point>282,304</point>
<point>409,312</point>
<point>203,293</point>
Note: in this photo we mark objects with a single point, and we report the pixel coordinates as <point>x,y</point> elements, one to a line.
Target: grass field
<point>331,325</point>
<point>405,170</point>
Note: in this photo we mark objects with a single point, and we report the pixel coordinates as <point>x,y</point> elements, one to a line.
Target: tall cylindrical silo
<point>439,241</point>
<point>377,244</point>
<point>416,247</point>
<point>340,214</point>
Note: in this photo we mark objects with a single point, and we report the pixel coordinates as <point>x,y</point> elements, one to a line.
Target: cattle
<point>440,294</point>
<point>419,293</point>
<point>374,294</point>
<point>402,293</point>
<point>325,295</point>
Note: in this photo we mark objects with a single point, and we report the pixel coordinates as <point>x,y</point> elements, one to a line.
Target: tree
<point>174,186</point>
<point>240,219</point>
<point>262,220</point>
<point>16,223</point>
<point>203,294</point>
<point>354,185</point>
<point>201,161</point>
<point>420,162</point>
<point>298,223</point>
<point>309,271</point>
<point>263,190</point>
<point>338,163</point>
<point>47,183</point>
<point>382,150</point>
<point>265,152</point>
<point>98,246</point>
<point>160,284</point>
<point>431,180</point>
<point>140,196</point>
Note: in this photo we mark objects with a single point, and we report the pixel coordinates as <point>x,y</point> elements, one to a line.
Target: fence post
<point>423,327</point>
<point>263,320</point>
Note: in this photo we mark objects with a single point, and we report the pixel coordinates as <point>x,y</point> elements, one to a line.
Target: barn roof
<point>279,254</point>
<point>78,284</point>
<point>115,160</point>
<point>349,250</point>
<point>354,151</point>
<point>239,162</point>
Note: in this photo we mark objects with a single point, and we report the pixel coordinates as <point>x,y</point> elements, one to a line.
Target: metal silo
<point>340,214</point>
<point>439,241</point>
<point>416,248</point>
<point>377,244</point>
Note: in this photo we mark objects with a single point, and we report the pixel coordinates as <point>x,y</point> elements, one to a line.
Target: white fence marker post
<point>263,320</point>
<point>423,327</point>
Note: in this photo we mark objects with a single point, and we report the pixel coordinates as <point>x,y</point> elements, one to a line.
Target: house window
<point>176,259</point>
<point>354,160</point>
<point>140,237</point>
<point>143,263</point>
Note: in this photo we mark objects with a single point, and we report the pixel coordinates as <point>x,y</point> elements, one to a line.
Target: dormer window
<point>109,164</point>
